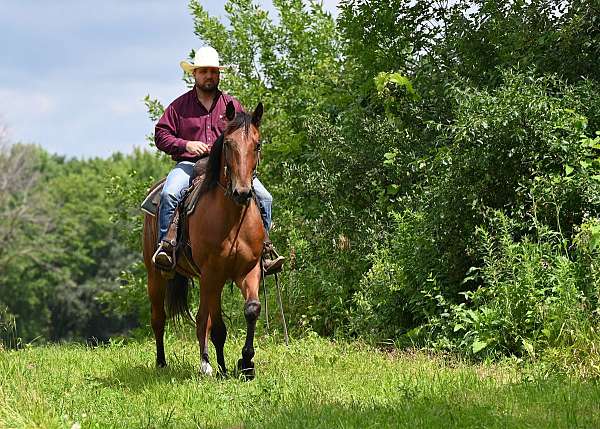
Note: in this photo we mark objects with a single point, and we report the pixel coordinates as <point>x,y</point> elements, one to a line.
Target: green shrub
<point>391,298</point>
<point>487,255</point>
<point>528,298</point>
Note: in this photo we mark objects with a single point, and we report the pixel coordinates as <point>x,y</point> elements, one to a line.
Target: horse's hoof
<point>205,368</point>
<point>161,364</point>
<point>246,373</point>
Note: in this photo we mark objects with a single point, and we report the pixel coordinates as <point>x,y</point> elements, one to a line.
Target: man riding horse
<point>187,131</point>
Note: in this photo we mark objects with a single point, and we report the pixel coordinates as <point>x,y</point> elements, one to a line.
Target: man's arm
<point>165,137</point>
<point>165,134</point>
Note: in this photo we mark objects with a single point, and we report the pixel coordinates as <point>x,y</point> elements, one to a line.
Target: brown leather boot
<point>272,261</point>
<point>164,257</point>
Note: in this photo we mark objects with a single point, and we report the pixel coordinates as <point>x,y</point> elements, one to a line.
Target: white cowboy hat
<point>203,57</point>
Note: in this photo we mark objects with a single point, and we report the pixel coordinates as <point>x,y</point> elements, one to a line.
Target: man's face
<point>207,78</point>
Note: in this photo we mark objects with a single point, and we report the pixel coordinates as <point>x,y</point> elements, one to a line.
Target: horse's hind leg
<point>218,332</point>
<point>210,295</point>
<point>156,289</point>
<point>249,289</point>
<point>156,294</point>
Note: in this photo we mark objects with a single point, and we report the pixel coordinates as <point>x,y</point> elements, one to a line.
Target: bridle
<point>228,187</point>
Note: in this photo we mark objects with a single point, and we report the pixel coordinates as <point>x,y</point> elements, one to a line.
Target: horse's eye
<point>258,145</point>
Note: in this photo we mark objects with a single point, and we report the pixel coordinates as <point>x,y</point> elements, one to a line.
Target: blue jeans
<point>177,183</point>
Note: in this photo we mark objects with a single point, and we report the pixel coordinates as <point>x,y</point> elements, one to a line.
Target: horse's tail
<point>176,299</point>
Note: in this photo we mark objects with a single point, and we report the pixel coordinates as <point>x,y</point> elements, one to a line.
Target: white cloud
<point>23,102</point>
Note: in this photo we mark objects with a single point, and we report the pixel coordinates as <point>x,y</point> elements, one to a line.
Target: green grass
<point>314,383</point>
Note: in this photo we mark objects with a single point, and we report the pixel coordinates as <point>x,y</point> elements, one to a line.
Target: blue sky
<point>73,73</point>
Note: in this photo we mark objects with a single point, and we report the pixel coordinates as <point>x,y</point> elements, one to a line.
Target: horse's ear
<point>230,111</point>
<point>257,114</point>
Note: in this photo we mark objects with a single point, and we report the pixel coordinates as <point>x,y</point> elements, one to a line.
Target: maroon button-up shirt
<point>187,119</point>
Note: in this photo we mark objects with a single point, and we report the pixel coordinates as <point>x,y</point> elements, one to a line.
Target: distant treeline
<point>61,251</point>
<point>435,168</point>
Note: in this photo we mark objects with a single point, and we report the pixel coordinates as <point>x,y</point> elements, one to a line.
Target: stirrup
<point>161,258</point>
<point>273,266</point>
<point>272,262</point>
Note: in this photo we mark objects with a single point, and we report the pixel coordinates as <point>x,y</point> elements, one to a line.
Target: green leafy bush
<point>491,258</point>
<point>528,299</point>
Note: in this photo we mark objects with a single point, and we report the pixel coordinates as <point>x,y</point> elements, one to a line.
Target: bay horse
<point>226,236</point>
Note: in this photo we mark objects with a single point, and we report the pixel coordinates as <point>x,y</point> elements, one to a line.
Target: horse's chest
<point>225,246</point>
<point>232,254</point>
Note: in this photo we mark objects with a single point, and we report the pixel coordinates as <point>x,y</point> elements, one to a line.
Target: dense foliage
<point>435,168</point>
<point>439,185</point>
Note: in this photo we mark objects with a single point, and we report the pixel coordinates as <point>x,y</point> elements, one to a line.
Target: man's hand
<point>196,147</point>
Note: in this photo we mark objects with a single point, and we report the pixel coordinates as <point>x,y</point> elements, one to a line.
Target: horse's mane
<point>213,170</point>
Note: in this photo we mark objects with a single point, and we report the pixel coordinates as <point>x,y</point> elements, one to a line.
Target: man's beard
<point>208,87</point>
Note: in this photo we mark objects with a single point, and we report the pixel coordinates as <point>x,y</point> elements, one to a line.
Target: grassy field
<point>314,383</point>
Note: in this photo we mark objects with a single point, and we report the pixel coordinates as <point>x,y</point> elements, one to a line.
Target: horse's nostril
<point>241,196</point>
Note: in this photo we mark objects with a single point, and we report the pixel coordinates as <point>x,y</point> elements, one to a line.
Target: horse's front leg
<point>249,287</point>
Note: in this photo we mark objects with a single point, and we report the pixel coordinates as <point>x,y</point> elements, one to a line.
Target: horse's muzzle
<point>242,196</point>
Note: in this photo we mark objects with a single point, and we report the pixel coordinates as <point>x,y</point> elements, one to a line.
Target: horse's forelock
<point>241,119</point>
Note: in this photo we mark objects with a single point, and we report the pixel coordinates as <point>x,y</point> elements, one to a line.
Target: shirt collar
<point>214,102</point>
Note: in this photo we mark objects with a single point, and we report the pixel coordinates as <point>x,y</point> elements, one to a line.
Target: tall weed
<point>8,330</point>
<point>528,297</point>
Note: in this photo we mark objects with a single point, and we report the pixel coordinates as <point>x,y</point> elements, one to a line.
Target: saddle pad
<point>150,204</point>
